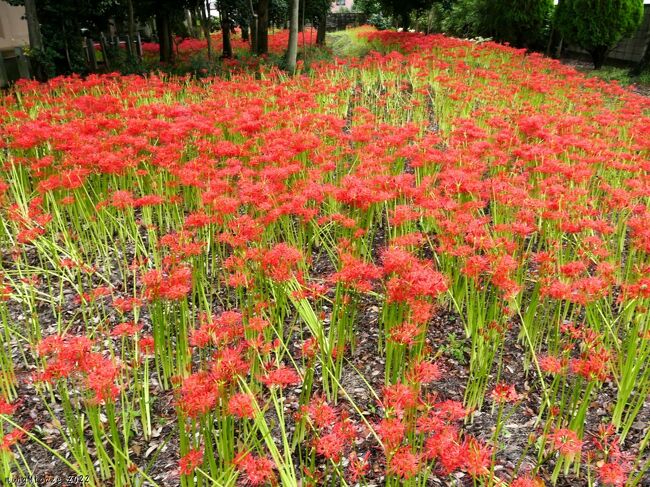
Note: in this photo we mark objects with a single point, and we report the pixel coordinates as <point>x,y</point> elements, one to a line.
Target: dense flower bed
<point>186,48</point>
<point>247,276</point>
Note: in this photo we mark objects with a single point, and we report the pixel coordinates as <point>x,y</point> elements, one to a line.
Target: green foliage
<point>379,22</point>
<point>463,19</point>
<point>431,20</point>
<point>347,43</point>
<point>401,10</point>
<point>278,11</point>
<point>44,59</point>
<point>457,348</point>
<point>61,24</point>
<point>598,25</point>
<point>368,7</point>
<point>521,23</point>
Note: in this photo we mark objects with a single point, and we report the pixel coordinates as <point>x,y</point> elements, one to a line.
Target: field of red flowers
<point>428,266</point>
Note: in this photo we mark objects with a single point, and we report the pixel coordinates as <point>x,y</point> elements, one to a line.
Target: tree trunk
<point>165,37</point>
<point>405,21</point>
<point>322,28</point>
<point>598,56</point>
<point>263,27</point>
<point>131,22</point>
<point>35,39</point>
<point>254,34</point>
<point>225,34</point>
<point>204,11</point>
<point>33,27</point>
<point>292,48</point>
<point>189,21</point>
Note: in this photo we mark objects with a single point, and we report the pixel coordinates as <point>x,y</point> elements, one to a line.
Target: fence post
<point>138,44</point>
<point>23,63</point>
<point>129,45</point>
<point>104,44</point>
<point>92,57</point>
<point>4,77</point>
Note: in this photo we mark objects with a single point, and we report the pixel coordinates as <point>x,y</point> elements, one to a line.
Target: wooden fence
<point>342,21</point>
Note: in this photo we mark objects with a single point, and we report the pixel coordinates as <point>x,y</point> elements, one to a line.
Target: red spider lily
<point>592,366</point>
<point>173,286</point>
<point>450,410</point>
<point>182,246</point>
<point>198,394</point>
<point>331,446</point>
<point>309,348</point>
<point>565,441</point>
<point>320,413</point>
<point>146,344</point>
<point>190,461</point>
<point>281,377</point>
<point>451,458</point>
<point>257,324</point>
<point>423,372</point>
<point>399,397</point>
<point>126,329</point>
<point>404,463</point>
<point>527,482</point>
<point>6,407</point>
<point>11,438</point>
<point>405,333</point>
<point>242,230</point>
<point>126,305</point>
<point>420,280</point>
<point>613,474</point>
<point>503,393</point>
<point>391,431</point>
<point>478,459</point>
<point>101,381</point>
<point>229,363</point>
<point>72,356</point>
<point>355,273</point>
<point>241,405</point>
<point>281,262</point>
<point>553,365</point>
<point>358,466</point>
<point>258,470</point>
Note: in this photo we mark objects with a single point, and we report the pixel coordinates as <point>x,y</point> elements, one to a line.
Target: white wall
<point>13,28</point>
<point>335,7</point>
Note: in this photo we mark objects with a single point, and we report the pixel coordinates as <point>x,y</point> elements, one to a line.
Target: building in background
<point>339,5</point>
<point>13,27</point>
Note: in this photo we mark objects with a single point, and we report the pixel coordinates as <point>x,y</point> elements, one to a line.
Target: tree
<point>169,15</point>
<point>262,27</point>
<point>55,30</point>
<point>316,12</point>
<point>35,40</point>
<point>598,25</point>
<point>521,23</point>
<point>368,7</point>
<point>225,11</point>
<point>292,49</point>
<point>203,7</point>
<point>401,10</point>
<point>518,22</point>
